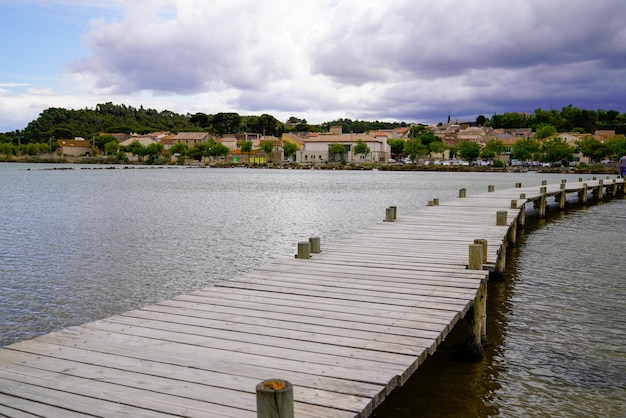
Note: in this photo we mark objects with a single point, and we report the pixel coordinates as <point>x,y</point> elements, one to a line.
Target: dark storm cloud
<point>398,59</point>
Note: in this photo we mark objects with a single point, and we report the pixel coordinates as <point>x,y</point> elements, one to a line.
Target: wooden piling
<point>583,194</point>
<point>274,399</point>
<point>501,218</point>
<point>389,215</point>
<point>394,209</point>
<point>463,193</point>
<point>600,190</point>
<point>484,243</point>
<point>304,250</point>
<point>477,324</point>
<point>512,235</point>
<point>518,185</point>
<point>542,204</point>
<point>501,262</point>
<point>314,244</point>
<point>491,188</point>
<point>475,257</point>
<point>521,217</point>
<point>513,203</point>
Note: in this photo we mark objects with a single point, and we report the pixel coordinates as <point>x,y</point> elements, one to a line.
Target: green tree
<point>153,151</point>
<point>488,154</point>
<point>179,148</point>
<point>591,148</point>
<point>361,148</point>
<point>437,147</point>
<point>469,150</point>
<point>525,149</point>
<point>545,132</point>
<point>111,147</point>
<point>217,149</point>
<point>136,148</point>
<point>337,151</point>
<point>290,149</point>
<point>413,148</point>
<point>268,147</point>
<point>427,137</point>
<point>495,146</point>
<point>556,150</point>
<point>197,152</point>
<point>616,147</point>
<point>246,146</point>
<point>226,123</point>
<point>397,146</point>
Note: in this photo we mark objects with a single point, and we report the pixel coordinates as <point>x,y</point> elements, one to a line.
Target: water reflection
<point>556,328</point>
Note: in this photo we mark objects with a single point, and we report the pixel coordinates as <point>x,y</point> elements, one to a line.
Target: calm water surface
<point>83,244</point>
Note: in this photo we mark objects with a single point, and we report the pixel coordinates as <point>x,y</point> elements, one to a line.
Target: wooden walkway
<point>345,327</point>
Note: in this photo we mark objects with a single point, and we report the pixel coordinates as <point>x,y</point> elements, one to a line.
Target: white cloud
<point>319,60</point>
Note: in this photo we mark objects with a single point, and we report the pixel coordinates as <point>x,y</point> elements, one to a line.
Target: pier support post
<point>314,244</point>
<point>463,193</point>
<point>304,250</point>
<point>501,262</point>
<point>394,210</point>
<point>542,204</point>
<point>521,217</point>
<point>562,197</point>
<point>476,257</point>
<point>491,188</point>
<point>512,235</point>
<point>485,244</point>
<point>600,190</point>
<point>501,218</point>
<point>389,215</point>
<point>477,321</point>
<point>583,194</point>
<point>274,399</point>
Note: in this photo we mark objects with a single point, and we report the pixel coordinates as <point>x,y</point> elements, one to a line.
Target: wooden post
<point>491,188</point>
<point>395,212</point>
<point>501,218</point>
<point>544,182</point>
<point>475,257</point>
<point>600,190</point>
<point>614,188</point>
<point>477,322</point>
<point>583,194</point>
<point>543,189</point>
<point>435,202</point>
<point>389,215</point>
<point>562,199</point>
<point>521,217</point>
<point>304,250</point>
<point>501,262</point>
<point>274,399</point>
<point>484,243</point>
<point>463,193</point>
<point>512,235</point>
<point>513,203</point>
<point>314,243</point>
<point>518,185</point>
<point>542,204</point>
<point>522,195</point>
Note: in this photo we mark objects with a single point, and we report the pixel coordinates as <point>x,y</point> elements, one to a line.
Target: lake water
<point>87,243</point>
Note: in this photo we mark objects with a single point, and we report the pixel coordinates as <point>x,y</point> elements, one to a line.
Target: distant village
<point>314,148</point>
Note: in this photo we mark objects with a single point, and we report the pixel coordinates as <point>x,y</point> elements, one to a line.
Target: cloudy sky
<point>405,60</point>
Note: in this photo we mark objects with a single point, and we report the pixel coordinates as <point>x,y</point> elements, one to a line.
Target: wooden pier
<point>344,326</point>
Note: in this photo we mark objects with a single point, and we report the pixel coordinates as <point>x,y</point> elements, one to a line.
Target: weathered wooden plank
<point>345,326</point>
